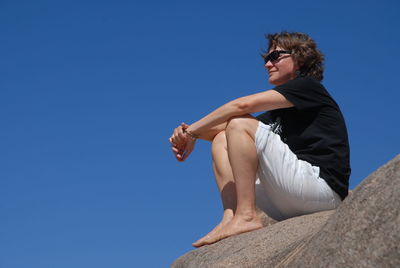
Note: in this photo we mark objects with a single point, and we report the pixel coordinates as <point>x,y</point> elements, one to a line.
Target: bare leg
<point>240,134</point>
<point>225,182</point>
<point>212,132</point>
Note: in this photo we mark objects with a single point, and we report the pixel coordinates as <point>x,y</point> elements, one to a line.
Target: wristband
<point>191,134</point>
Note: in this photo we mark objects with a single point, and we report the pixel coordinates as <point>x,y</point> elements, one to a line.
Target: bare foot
<point>236,226</point>
<point>221,225</point>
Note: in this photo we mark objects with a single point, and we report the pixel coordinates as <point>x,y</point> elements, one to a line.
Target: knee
<point>219,142</point>
<point>240,123</point>
<point>245,124</point>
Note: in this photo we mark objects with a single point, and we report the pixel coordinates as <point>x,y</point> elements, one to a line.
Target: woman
<point>290,161</point>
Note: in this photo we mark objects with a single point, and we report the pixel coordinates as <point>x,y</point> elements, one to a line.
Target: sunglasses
<point>274,55</point>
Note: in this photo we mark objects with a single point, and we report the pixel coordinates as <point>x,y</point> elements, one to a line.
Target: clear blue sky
<point>91,90</point>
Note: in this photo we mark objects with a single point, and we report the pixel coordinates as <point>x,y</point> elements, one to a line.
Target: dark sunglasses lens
<point>273,56</point>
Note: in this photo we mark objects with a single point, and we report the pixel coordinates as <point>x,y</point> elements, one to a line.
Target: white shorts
<point>286,186</point>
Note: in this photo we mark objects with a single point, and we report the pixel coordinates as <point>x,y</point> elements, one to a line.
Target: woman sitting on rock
<point>289,161</point>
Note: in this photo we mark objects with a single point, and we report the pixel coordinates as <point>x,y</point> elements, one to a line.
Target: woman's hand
<point>189,146</point>
<point>178,138</point>
<point>182,144</point>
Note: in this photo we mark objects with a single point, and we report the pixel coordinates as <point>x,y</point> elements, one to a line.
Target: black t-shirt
<point>314,129</point>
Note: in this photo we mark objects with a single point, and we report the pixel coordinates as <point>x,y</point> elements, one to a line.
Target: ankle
<point>247,215</point>
<point>228,216</point>
<point>229,213</point>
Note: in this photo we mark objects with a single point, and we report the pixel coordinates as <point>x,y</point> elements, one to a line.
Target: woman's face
<point>281,70</point>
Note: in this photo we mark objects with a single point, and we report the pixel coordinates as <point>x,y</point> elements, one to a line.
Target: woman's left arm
<point>264,101</point>
<point>183,145</point>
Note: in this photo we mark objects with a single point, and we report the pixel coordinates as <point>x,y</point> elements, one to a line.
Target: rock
<point>363,232</point>
<point>266,220</point>
<point>261,247</point>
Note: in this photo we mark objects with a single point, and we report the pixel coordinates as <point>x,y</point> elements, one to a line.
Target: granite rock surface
<point>363,232</point>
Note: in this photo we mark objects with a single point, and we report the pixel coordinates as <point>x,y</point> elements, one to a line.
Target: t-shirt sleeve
<point>305,93</point>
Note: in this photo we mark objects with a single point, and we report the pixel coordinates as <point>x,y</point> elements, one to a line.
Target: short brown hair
<point>304,52</point>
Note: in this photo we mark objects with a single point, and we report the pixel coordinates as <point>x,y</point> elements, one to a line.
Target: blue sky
<point>90,91</point>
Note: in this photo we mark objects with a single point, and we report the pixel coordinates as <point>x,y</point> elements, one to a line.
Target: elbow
<point>241,106</point>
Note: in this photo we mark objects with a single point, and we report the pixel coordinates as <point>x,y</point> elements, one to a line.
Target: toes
<point>199,242</point>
